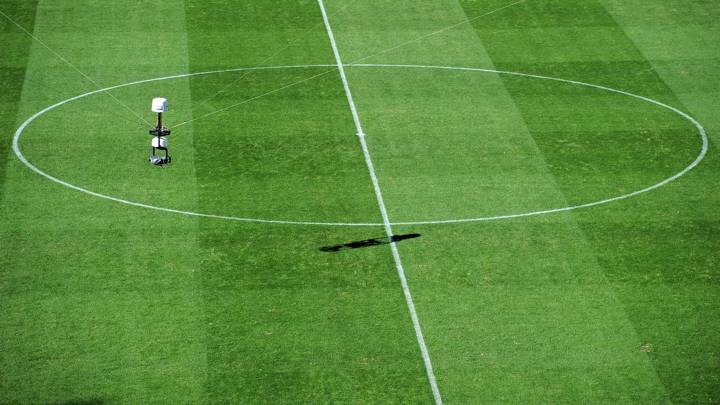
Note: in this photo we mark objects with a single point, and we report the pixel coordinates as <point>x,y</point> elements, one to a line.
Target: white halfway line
<point>383,211</point>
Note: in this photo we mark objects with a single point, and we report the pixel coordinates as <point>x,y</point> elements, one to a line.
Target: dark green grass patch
<point>288,322</point>
<point>16,48</point>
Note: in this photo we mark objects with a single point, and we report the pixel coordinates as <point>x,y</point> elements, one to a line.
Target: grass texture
<point>103,302</point>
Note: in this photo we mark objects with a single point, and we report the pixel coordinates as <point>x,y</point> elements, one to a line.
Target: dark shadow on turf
<point>12,72</point>
<point>369,242</point>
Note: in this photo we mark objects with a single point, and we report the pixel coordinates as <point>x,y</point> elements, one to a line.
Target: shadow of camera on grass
<point>369,242</point>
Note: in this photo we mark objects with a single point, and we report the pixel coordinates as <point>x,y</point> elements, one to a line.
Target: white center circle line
<point>698,159</point>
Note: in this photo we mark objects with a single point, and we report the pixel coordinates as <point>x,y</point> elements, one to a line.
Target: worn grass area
<point>105,302</point>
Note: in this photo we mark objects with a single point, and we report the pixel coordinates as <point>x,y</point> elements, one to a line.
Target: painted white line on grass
<point>698,159</point>
<point>383,211</point>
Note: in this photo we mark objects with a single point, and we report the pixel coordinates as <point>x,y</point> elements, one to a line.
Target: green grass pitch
<point>273,281</point>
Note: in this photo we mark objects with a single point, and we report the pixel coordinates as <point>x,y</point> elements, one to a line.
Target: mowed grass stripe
<point>12,71</point>
<point>527,298</point>
<point>383,210</point>
<point>99,300</point>
<point>688,236</point>
<point>657,145</point>
<point>286,321</point>
<point>689,66</point>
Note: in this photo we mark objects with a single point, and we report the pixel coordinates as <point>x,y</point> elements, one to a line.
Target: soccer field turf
<point>548,170</point>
